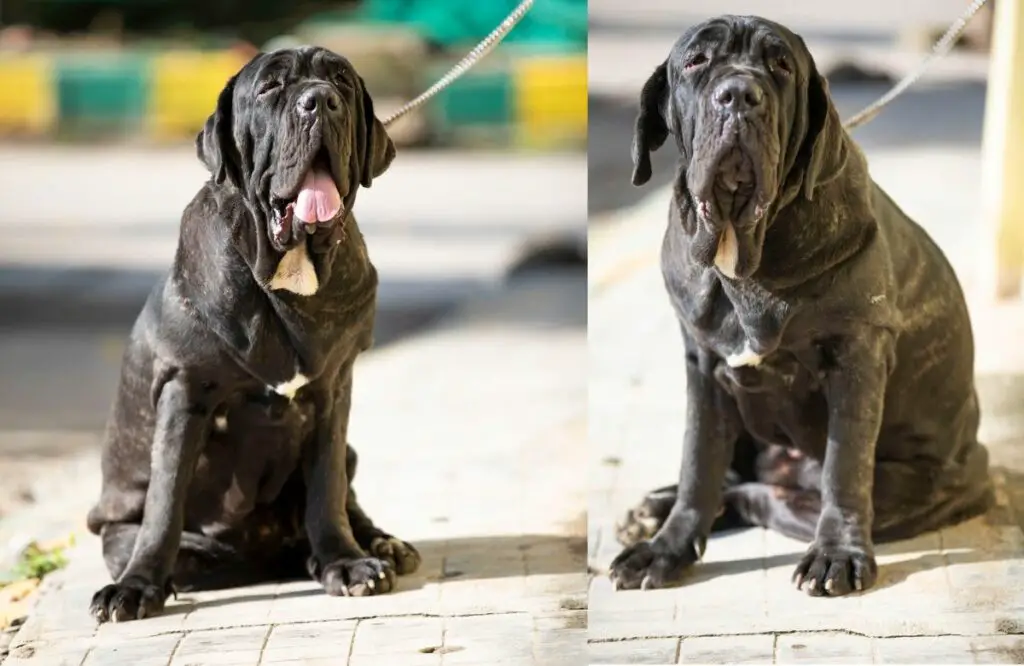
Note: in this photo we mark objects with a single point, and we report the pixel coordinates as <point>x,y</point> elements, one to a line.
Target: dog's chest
<point>742,324</point>
<point>777,389</point>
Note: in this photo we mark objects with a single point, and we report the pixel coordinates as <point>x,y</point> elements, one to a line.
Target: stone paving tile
<point>998,649</point>
<point>923,650</point>
<point>489,639</point>
<point>756,649</point>
<point>330,642</point>
<point>823,648</point>
<point>239,646</point>
<point>650,651</point>
<point>149,651</point>
<point>967,581</point>
<point>412,641</point>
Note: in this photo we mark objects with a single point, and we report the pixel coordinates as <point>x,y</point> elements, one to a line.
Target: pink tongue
<point>318,200</point>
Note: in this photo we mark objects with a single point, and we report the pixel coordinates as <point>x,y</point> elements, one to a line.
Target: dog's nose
<point>319,99</point>
<point>739,94</point>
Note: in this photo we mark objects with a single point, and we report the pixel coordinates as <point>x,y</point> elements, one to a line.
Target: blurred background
<point>100,102</point>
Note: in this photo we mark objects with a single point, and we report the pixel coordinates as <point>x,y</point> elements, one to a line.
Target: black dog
<point>226,459</point>
<point>829,357</point>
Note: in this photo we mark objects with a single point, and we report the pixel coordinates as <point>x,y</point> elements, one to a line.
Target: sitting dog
<point>829,354</point>
<point>226,460</point>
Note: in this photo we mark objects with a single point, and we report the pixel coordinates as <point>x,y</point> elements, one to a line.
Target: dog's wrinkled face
<point>749,113</point>
<point>295,132</point>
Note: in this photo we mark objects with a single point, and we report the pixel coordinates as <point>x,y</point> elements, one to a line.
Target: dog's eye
<point>781,63</point>
<point>266,87</point>
<point>694,61</point>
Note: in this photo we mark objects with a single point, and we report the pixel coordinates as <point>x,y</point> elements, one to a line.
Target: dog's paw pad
<point>359,577</point>
<point>401,555</point>
<point>835,570</point>
<point>130,599</point>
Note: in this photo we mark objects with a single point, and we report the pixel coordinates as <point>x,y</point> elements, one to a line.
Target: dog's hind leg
<point>203,563</point>
<point>402,556</point>
<point>790,511</point>
<point>643,521</point>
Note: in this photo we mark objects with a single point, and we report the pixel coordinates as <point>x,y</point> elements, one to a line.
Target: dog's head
<point>754,124</point>
<point>295,132</point>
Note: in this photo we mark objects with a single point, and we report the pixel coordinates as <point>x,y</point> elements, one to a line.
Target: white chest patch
<point>295,273</point>
<point>743,358</point>
<point>289,388</point>
<point>728,253</point>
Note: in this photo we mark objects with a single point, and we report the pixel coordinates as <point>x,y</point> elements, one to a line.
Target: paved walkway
<point>475,460</point>
<point>956,596</point>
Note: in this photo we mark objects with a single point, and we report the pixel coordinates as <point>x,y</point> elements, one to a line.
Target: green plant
<point>37,560</point>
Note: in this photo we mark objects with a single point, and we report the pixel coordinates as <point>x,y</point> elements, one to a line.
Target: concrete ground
<point>469,414</point>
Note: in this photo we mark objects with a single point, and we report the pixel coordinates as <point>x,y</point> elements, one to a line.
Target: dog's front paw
<point>355,577</point>
<point>649,565</point>
<point>133,598</point>
<point>400,555</point>
<point>827,570</point>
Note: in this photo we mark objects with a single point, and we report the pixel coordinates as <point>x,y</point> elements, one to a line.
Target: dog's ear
<point>825,148</point>
<point>215,143</point>
<point>651,128</point>
<point>377,148</point>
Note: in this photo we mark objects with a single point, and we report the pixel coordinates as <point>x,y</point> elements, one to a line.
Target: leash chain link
<point>941,48</point>
<point>461,67</point>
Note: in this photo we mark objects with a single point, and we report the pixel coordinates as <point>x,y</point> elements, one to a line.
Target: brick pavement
<point>956,596</point>
<point>476,462</point>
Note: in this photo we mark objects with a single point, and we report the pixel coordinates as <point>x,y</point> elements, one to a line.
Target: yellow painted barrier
<point>550,95</point>
<point>184,89</point>
<point>1003,150</point>
<point>28,104</point>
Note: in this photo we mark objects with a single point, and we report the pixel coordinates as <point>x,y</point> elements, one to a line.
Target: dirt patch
<point>15,600</point>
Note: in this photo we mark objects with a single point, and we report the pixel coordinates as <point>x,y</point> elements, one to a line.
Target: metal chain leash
<point>941,48</point>
<point>464,65</point>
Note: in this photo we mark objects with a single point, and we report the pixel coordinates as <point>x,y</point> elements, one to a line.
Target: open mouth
<point>316,200</point>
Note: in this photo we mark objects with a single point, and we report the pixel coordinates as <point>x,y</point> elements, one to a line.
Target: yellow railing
<point>184,89</point>
<point>28,103</point>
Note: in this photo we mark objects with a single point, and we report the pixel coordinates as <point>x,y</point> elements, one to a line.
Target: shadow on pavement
<point>459,559</point>
<point>109,300</point>
<point>891,573</point>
